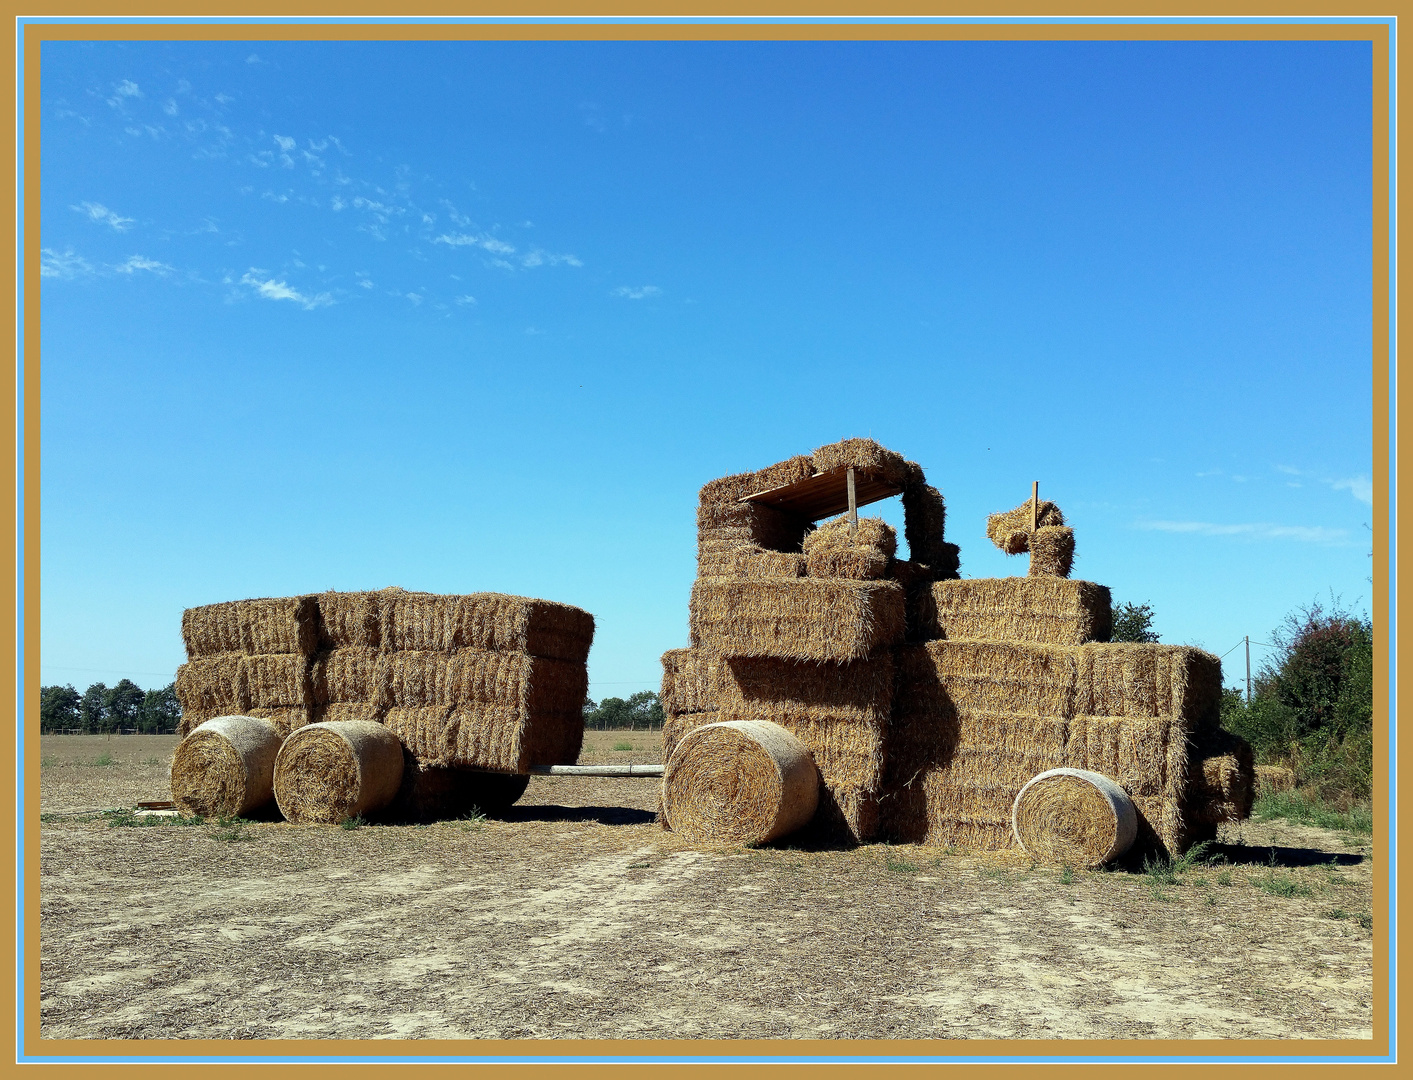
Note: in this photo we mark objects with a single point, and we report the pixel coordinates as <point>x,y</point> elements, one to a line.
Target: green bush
<point>1312,705</point>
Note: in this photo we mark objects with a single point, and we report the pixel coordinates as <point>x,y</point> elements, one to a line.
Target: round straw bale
<point>1073,817</point>
<point>329,772</point>
<point>225,767</point>
<point>739,781</point>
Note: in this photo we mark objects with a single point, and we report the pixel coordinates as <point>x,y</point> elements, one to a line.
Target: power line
<point>1242,642</point>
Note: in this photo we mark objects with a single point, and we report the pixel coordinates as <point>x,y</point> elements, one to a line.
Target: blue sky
<point>466,316</point>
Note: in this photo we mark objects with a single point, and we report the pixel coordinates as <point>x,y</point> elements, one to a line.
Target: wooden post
<point>1248,669</point>
<point>1034,505</point>
<point>853,505</point>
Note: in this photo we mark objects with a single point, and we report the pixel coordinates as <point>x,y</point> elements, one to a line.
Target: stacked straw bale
<point>1043,610</point>
<point>820,619</point>
<point>837,550</point>
<point>795,625</point>
<point>997,680</point>
<point>976,720</point>
<point>479,682</point>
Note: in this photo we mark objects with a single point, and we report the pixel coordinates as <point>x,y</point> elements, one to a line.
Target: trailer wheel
<point>495,793</point>
<point>1073,817</point>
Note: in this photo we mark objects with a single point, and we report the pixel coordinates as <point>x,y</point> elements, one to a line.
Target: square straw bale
<point>807,619</point>
<point>479,676</point>
<point>938,678</point>
<point>286,718</point>
<point>1131,751</point>
<point>422,730</point>
<point>924,523</point>
<point>490,621</point>
<point>973,721</point>
<point>751,523</point>
<point>866,456</point>
<point>499,738</point>
<point>730,489</point>
<point>211,630</point>
<point>279,625</point>
<point>846,815</point>
<point>1149,679</point>
<point>334,711</point>
<point>693,680</point>
<point>1051,551</point>
<point>836,535</point>
<point>839,711</point>
<point>856,564</point>
<point>1053,611</point>
<point>1010,531</point>
<point>272,680</point>
<point>915,579</point>
<point>212,682</point>
<point>1221,778</point>
<point>748,561</point>
<point>269,625</point>
<point>349,620</point>
<point>351,674</point>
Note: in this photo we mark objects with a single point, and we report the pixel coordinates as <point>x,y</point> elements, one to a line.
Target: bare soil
<point>576,916</point>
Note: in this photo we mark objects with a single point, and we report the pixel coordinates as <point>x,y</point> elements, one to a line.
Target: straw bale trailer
<point>470,686</point>
<point>929,703</point>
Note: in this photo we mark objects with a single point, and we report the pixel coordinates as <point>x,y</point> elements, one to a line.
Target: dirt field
<point>577,917</point>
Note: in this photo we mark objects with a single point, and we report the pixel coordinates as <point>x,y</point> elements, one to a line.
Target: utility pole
<point>1248,669</point>
<point>1034,505</point>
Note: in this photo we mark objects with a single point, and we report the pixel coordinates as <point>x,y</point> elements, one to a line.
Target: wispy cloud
<point>540,257</point>
<point>279,290</point>
<point>124,90</point>
<point>62,264</point>
<point>1313,534</point>
<point>138,262</point>
<point>1361,487</point>
<point>636,292</point>
<point>99,212</point>
<point>486,243</point>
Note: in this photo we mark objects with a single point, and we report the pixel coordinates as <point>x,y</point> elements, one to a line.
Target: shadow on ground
<point>604,815</point>
<point>1287,857</point>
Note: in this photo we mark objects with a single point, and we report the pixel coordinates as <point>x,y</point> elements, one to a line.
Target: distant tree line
<point>102,709</point>
<point>642,710</point>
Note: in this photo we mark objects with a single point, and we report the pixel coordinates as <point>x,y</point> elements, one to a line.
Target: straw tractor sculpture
<point>973,714</point>
<point>830,688</point>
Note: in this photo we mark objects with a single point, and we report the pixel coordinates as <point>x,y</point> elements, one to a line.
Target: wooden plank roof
<point>825,493</point>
